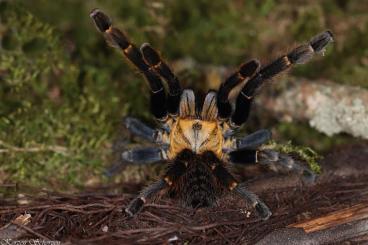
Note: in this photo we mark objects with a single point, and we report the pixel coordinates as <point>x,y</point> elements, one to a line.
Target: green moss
<point>52,130</point>
<point>305,153</point>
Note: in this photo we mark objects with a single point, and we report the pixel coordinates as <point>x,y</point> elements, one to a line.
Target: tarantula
<point>196,137</point>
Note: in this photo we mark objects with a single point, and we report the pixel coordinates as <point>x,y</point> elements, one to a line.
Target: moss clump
<point>54,126</point>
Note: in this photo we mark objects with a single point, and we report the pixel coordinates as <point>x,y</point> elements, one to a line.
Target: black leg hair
<point>175,171</point>
<point>139,156</point>
<point>245,71</point>
<point>254,140</point>
<point>243,157</point>
<point>249,142</point>
<point>144,155</point>
<point>118,39</point>
<point>228,181</point>
<point>152,58</point>
<point>137,203</point>
<point>261,208</point>
<point>139,129</point>
<point>299,55</point>
<point>275,160</point>
<point>283,162</point>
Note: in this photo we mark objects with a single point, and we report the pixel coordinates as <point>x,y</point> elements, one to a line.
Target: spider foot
<point>263,211</point>
<point>134,207</point>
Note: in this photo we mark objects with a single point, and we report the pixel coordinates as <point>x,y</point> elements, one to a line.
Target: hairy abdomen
<point>197,187</point>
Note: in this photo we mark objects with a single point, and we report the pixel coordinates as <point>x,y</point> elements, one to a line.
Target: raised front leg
<point>118,39</point>
<point>244,72</point>
<point>299,55</point>
<point>152,58</point>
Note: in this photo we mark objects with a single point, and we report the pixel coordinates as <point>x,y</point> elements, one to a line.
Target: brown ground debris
<point>96,217</point>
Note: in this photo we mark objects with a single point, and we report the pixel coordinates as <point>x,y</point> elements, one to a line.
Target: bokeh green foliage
<point>64,91</point>
<point>55,126</point>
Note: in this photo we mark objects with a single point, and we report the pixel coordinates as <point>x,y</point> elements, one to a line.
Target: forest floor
<point>95,217</point>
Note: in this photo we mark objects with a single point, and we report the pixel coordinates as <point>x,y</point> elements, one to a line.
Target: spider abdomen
<point>197,187</point>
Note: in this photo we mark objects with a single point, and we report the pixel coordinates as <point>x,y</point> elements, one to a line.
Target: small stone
<point>173,239</point>
<point>105,228</point>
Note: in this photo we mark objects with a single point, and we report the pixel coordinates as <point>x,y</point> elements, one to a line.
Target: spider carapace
<point>196,136</point>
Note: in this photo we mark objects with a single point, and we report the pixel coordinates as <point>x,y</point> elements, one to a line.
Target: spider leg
<point>254,140</point>
<point>299,55</point>
<point>244,156</point>
<point>261,208</point>
<point>137,203</point>
<point>283,162</point>
<point>154,60</point>
<point>249,142</point>
<point>245,71</point>
<point>144,155</point>
<point>175,171</point>
<point>228,181</point>
<point>275,160</point>
<point>139,129</point>
<point>118,39</point>
<point>140,156</point>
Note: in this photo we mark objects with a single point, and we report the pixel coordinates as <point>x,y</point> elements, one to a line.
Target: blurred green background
<point>64,91</point>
